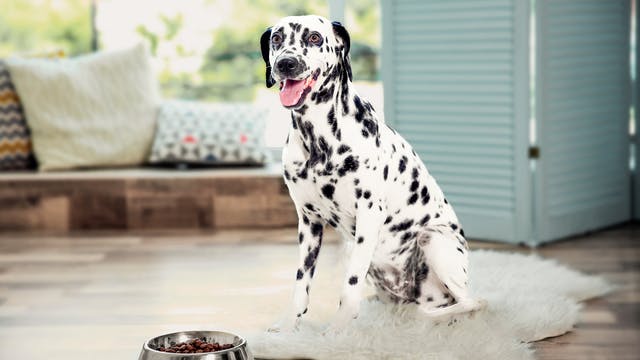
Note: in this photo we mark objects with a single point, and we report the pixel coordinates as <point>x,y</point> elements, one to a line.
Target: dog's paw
<point>480,305</point>
<point>285,325</point>
<point>336,327</point>
<point>339,322</point>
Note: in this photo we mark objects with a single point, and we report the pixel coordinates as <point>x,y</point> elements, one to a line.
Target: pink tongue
<point>291,92</point>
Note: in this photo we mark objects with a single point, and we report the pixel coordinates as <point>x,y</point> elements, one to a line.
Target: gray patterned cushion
<point>198,133</point>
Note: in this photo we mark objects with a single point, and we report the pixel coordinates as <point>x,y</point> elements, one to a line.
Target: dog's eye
<point>315,39</point>
<point>276,39</point>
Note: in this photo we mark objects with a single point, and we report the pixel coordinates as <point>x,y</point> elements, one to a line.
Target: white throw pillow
<point>89,111</point>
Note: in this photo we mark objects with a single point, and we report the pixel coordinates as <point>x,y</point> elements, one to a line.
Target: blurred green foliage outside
<point>232,68</point>
<point>41,26</point>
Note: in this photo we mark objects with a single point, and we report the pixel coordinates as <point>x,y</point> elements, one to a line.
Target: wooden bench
<point>145,198</point>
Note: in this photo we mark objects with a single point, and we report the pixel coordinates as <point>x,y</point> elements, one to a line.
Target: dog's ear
<point>343,35</point>
<point>265,39</point>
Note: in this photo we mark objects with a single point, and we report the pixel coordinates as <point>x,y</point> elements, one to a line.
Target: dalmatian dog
<point>346,168</point>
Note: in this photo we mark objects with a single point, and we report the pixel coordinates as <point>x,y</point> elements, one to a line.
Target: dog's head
<point>301,51</point>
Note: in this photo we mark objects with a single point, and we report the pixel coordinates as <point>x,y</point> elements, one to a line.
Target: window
<point>205,50</point>
<point>42,26</point>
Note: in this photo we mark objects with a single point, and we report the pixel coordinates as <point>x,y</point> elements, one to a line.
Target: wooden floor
<point>100,295</point>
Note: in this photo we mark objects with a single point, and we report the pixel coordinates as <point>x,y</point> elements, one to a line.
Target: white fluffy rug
<point>529,299</point>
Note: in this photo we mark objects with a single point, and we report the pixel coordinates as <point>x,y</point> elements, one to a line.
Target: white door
<point>582,178</point>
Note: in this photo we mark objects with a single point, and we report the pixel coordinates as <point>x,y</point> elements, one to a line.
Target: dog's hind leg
<point>446,255</point>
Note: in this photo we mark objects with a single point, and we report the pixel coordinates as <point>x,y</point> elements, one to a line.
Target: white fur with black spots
<point>346,168</point>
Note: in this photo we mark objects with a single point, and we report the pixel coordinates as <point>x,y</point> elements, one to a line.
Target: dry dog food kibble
<point>195,346</point>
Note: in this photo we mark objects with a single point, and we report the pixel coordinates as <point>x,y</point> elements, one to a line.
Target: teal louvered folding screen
<point>456,87</point>
<point>582,113</point>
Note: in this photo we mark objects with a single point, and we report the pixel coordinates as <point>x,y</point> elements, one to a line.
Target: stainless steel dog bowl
<point>239,351</point>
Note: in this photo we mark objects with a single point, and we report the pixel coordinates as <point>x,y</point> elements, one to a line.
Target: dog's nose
<point>287,64</point>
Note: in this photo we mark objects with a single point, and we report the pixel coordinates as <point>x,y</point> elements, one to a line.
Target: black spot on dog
<point>401,226</point>
<point>412,199</point>
<point>371,126</point>
<point>461,251</point>
<point>358,193</point>
<point>360,111</point>
<point>303,173</point>
<point>402,165</point>
<point>350,164</point>
<point>286,175</point>
<point>367,194</point>
<point>291,40</point>
<point>414,185</point>
<point>370,204</point>
<point>328,190</point>
<point>301,110</point>
<point>316,229</point>
<point>303,38</point>
<point>343,149</point>
<point>388,220</point>
<point>424,194</point>
<point>461,232</point>
<point>353,280</point>
<point>299,275</point>
<point>385,172</point>
<point>360,239</point>
<point>300,238</point>
<point>332,121</point>
<point>335,218</point>
<point>305,219</point>
<point>310,260</point>
<point>425,220</point>
<point>309,207</point>
<point>454,226</point>
<point>323,95</point>
<point>328,167</point>
<point>406,237</point>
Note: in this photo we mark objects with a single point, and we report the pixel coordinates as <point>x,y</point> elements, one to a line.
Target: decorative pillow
<point>93,110</point>
<point>198,133</point>
<point>15,142</point>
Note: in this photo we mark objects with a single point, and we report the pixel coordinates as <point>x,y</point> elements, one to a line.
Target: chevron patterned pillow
<point>212,134</point>
<point>15,140</point>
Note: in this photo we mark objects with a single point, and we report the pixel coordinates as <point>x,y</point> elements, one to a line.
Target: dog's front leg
<point>368,222</point>
<point>310,229</point>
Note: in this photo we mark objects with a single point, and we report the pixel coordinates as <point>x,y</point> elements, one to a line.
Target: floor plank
<point>64,297</point>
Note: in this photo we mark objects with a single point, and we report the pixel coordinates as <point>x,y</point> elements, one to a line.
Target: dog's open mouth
<point>293,92</point>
